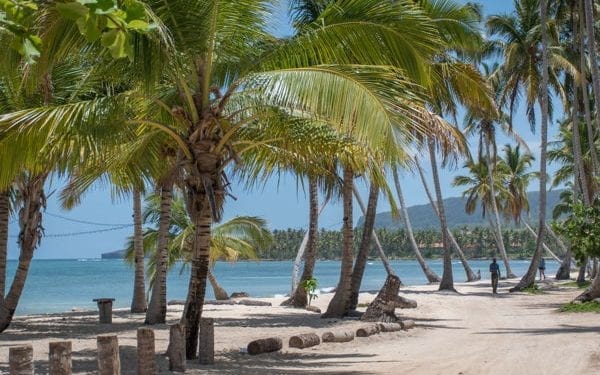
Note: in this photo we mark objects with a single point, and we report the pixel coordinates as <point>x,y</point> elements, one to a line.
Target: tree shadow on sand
<point>562,329</point>
<point>281,320</point>
<point>233,362</point>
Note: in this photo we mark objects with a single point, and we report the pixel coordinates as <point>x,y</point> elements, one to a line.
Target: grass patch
<point>534,289</point>
<point>591,306</point>
<point>575,284</point>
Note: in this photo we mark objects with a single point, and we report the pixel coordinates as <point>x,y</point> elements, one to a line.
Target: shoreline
<point>456,332</point>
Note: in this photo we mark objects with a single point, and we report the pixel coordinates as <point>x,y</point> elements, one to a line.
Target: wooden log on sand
<point>367,330</point>
<point>59,358</point>
<point>314,309</point>
<point>407,324</point>
<point>305,340</point>
<point>20,359</point>
<point>146,363</point>
<point>340,336</point>
<point>405,303</point>
<point>176,349</point>
<point>389,327</point>
<point>108,355</point>
<point>271,344</point>
<point>252,302</point>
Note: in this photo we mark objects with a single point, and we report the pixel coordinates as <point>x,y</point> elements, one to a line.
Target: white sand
<point>472,332</point>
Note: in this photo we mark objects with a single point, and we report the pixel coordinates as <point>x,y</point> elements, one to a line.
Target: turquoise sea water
<point>61,285</point>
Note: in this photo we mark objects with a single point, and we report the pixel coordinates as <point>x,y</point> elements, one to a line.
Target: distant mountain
<point>118,254</point>
<point>423,217</point>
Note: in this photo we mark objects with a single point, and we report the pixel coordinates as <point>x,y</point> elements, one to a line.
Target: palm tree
<point>527,62</point>
<point>590,30</point>
<point>516,181</point>
<point>431,276</point>
<point>138,302</point>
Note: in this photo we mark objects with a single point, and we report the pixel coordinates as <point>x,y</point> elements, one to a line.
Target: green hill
<point>422,216</point>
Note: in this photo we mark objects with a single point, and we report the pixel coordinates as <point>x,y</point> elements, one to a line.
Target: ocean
<point>62,285</point>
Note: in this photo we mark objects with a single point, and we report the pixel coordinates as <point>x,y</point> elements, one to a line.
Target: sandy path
<point>469,333</point>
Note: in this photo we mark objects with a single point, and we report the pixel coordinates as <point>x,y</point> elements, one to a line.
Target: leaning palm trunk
<point>463,259</point>
<point>31,191</point>
<point>447,282</point>
<point>220,292</point>
<point>338,306</point>
<point>529,278</point>
<point>4,217</point>
<point>592,292</point>
<point>546,248</point>
<point>384,259</point>
<point>496,216</point>
<point>299,297</point>
<point>138,302</point>
<point>365,246</point>
<point>157,308</point>
<point>432,277</point>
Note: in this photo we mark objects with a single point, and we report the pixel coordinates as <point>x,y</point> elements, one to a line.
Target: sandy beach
<point>472,332</point>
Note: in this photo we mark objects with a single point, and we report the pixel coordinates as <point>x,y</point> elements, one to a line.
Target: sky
<point>281,201</point>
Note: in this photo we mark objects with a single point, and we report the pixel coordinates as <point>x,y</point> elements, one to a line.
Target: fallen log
<point>390,327</point>
<point>407,324</point>
<point>314,309</point>
<point>367,330</point>
<point>340,336</point>
<point>251,302</point>
<point>271,344</point>
<point>305,340</point>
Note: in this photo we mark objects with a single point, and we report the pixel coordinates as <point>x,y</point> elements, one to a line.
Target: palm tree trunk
<point>220,292</point>
<point>299,297</point>
<point>580,35</point>
<point>447,282</point>
<point>138,302</point>
<point>200,213</point>
<point>338,306</point>
<point>298,262</point>
<point>496,216</point>
<point>529,278</point>
<point>157,308</point>
<point>431,276</point>
<point>591,47</point>
<point>546,248</point>
<point>365,246</point>
<point>557,239</point>
<point>31,191</point>
<point>384,259</point>
<point>463,259</point>
<point>592,292</point>
<point>4,217</point>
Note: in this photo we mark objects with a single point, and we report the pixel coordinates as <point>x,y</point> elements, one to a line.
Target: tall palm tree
<point>525,44</point>
<point>4,220</point>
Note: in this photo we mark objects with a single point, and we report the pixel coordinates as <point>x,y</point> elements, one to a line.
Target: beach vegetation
<point>581,307</point>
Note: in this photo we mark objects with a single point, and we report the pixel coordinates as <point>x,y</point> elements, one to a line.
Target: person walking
<point>542,269</point>
<point>495,272</point>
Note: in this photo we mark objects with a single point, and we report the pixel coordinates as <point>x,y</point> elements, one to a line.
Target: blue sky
<point>279,201</point>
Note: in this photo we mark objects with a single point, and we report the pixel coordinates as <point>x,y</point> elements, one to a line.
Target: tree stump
<point>367,330</point>
<point>105,309</point>
<point>176,349</point>
<point>305,340</point>
<point>146,362</point>
<point>108,355</point>
<point>271,344</point>
<point>344,336</point>
<point>206,342</point>
<point>407,324</point>
<point>389,327</point>
<point>20,359</point>
<point>59,358</point>
<point>382,307</point>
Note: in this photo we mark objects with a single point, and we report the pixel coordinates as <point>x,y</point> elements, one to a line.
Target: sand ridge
<point>470,332</point>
